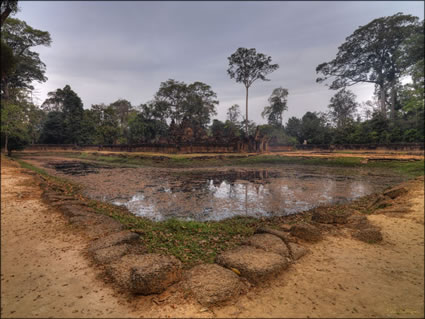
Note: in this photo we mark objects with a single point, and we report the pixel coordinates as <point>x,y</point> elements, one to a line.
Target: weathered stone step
<point>267,230</point>
<point>212,284</point>
<point>269,243</point>
<point>145,274</point>
<point>253,263</point>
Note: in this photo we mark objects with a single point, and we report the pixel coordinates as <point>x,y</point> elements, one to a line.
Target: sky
<point>107,50</point>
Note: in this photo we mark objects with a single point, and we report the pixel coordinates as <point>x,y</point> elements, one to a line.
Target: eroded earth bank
<point>45,271</point>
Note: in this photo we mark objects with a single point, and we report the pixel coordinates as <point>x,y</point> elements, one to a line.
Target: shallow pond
<point>220,193</point>
<point>216,195</point>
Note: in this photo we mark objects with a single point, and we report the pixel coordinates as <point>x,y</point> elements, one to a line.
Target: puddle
<point>76,167</point>
<point>258,193</point>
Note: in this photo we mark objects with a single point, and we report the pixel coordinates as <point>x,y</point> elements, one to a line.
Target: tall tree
<point>278,104</point>
<point>342,107</point>
<point>246,66</point>
<point>27,66</point>
<point>370,55</point>
<point>70,104</point>
<point>122,108</point>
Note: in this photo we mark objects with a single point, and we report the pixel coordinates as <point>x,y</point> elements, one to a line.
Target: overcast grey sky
<point>116,49</point>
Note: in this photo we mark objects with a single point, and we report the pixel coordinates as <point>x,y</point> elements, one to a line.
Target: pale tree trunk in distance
<point>246,103</point>
<point>382,101</point>
<point>393,97</point>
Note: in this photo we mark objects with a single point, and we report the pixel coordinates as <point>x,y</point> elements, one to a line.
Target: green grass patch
<point>190,241</point>
<point>409,169</point>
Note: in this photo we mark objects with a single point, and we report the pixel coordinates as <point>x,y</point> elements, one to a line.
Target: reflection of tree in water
<point>214,195</point>
<point>201,181</point>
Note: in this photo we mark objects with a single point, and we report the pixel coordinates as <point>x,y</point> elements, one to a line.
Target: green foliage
<point>342,108</point>
<point>8,60</point>
<point>27,66</point>
<point>178,101</point>
<point>312,128</point>
<point>67,102</point>
<point>246,66</point>
<point>13,129</point>
<point>107,128</point>
<point>278,104</point>
<point>142,129</point>
<point>371,54</point>
<point>52,132</point>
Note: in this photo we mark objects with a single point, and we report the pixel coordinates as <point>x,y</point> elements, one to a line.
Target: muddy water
<point>220,193</point>
<point>207,195</point>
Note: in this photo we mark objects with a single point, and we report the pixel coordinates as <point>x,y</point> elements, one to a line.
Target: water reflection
<point>218,195</point>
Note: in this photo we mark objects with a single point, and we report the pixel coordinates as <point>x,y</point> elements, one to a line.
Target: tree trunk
<point>6,138</point>
<point>5,14</point>
<point>246,103</point>
<point>382,101</point>
<point>393,98</point>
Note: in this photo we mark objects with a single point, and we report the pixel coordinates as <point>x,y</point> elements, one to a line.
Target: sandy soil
<point>44,272</point>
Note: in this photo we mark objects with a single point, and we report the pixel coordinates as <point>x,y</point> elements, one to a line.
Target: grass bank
<point>409,169</point>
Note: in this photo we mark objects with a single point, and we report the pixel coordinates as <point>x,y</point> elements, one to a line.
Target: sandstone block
<point>306,232</point>
<point>253,263</point>
<point>212,284</point>
<point>145,274</point>
<point>270,243</point>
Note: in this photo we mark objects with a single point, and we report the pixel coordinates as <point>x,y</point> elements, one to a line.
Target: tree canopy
<point>25,65</point>
<point>342,107</point>
<point>69,103</point>
<point>176,100</point>
<point>371,54</point>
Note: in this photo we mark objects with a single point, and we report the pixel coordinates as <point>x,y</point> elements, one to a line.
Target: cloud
<point>123,49</point>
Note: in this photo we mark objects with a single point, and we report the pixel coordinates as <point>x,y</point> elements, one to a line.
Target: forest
<point>387,52</point>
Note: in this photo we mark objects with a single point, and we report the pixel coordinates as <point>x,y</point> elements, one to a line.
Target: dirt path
<point>45,274</point>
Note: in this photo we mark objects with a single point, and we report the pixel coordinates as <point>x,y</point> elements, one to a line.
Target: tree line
<point>383,52</point>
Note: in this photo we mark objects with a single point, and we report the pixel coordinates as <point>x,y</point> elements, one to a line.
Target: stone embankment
<point>263,256</point>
